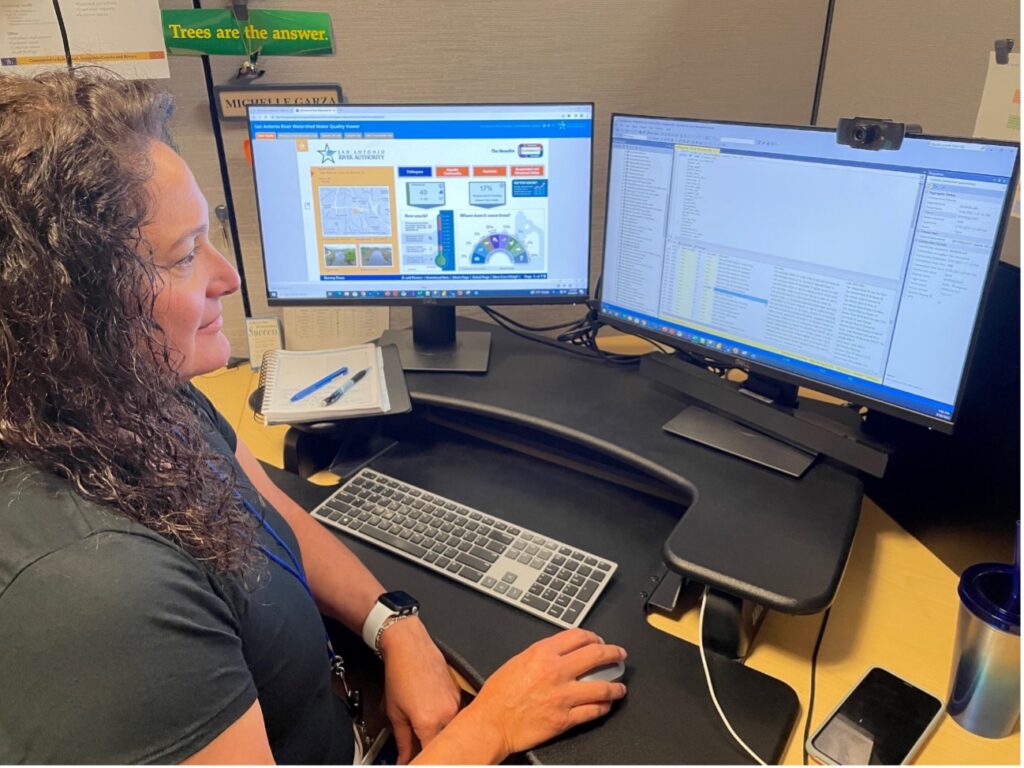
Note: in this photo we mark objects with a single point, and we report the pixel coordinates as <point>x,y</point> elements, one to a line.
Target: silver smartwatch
<point>389,608</point>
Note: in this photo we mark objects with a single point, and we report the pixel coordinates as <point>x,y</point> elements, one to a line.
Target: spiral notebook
<point>285,373</point>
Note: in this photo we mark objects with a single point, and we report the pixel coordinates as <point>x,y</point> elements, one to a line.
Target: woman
<point>153,580</point>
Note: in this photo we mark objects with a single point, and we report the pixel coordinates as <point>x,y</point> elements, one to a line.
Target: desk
<point>896,607</point>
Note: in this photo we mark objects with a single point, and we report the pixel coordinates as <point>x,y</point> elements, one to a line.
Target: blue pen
<point>336,394</point>
<point>317,384</point>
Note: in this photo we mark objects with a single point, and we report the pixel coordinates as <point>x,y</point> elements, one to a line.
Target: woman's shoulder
<point>43,516</point>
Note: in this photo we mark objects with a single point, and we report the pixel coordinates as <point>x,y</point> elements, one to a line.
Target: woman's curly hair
<point>87,387</point>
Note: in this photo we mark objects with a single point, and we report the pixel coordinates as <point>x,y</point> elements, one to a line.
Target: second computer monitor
<point>860,273</point>
<point>424,205</point>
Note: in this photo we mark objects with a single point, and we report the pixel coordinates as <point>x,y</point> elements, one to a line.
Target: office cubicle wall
<point>728,59</point>
<point>918,61</point>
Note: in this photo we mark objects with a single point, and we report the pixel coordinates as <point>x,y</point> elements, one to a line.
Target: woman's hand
<point>420,694</point>
<point>535,696</point>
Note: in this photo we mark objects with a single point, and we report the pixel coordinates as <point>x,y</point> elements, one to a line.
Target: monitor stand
<point>434,345</point>
<point>762,420</point>
<point>704,427</point>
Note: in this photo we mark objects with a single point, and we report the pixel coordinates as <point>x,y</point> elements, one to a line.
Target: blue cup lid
<point>987,590</point>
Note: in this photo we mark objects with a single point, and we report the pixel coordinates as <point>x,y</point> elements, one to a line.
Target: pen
<point>317,384</point>
<point>335,396</point>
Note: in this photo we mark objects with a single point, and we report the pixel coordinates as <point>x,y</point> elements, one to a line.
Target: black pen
<point>336,394</point>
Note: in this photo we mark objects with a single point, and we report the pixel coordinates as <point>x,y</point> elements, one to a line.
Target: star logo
<point>327,154</point>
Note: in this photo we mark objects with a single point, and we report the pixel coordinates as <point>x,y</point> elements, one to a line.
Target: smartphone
<point>884,720</point>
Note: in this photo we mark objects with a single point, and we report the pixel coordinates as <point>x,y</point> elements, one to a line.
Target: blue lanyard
<point>353,697</point>
<point>295,568</point>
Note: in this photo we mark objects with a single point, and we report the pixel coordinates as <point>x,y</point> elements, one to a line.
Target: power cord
<point>814,668</point>
<point>711,687</point>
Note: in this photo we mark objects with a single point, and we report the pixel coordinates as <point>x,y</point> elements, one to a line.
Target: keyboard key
<point>564,551</point>
<point>470,573</point>
<point>543,579</point>
<point>430,557</point>
<point>525,558</point>
<point>442,562</point>
<point>504,538</point>
<point>599,575</point>
<point>483,554</point>
<point>536,563</point>
<point>514,531</point>
<point>576,556</point>
<point>500,525</point>
<point>518,544</point>
<point>571,614</point>
<point>558,560</point>
<point>450,551</point>
<point>550,545</point>
<point>570,590</point>
<point>453,567</point>
<point>550,594</point>
<point>576,580</point>
<point>536,589</point>
<point>533,549</point>
<point>509,577</point>
<point>535,602</point>
<point>590,560</point>
<point>564,574</point>
<point>604,566</point>
<point>394,541</point>
<point>555,611</point>
<point>489,581</point>
<point>495,546</point>
<point>527,537</point>
<point>551,570</point>
<point>558,585</point>
<point>544,554</point>
<point>464,546</point>
<point>501,587</point>
<point>473,562</point>
<point>585,570</point>
<point>514,593</point>
<point>587,590</point>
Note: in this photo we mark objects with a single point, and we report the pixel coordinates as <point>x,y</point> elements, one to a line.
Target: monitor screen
<point>406,204</point>
<point>856,272</point>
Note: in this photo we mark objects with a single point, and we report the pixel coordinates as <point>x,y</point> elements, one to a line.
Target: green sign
<point>270,33</point>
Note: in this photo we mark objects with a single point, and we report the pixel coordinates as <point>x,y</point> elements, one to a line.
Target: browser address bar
<point>735,140</point>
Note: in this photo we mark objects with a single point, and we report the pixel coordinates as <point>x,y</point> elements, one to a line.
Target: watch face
<point>401,602</point>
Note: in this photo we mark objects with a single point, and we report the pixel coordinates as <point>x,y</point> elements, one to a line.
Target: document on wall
<point>316,328</point>
<point>125,36</point>
<point>999,112</point>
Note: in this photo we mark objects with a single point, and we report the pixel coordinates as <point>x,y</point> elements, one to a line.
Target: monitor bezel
<point>412,301</point>
<point>749,366</point>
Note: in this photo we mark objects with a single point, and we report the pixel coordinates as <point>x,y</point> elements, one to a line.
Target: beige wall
<point>918,61</point>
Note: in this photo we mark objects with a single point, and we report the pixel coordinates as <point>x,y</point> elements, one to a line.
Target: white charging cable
<point>711,687</point>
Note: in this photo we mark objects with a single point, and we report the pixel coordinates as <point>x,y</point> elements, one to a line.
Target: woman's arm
<point>244,742</point>
<point>421,695</point>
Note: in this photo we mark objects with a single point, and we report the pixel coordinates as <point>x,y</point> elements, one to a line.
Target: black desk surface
<point>747,530</point>
<point>667,717</point>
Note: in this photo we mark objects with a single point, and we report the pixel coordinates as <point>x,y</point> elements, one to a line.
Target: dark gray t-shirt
<point>116,646</point>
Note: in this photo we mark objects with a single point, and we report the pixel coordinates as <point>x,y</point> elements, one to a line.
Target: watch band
<point>373,627</point>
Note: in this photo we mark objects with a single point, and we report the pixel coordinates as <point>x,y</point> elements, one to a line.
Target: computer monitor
<point>776,249</point>
<point>431,206</point>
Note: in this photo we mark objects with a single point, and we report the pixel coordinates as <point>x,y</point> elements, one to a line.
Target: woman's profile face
<point>192,275</point>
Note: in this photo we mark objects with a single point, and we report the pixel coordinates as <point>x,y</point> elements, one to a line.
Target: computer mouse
<point>610,673</point>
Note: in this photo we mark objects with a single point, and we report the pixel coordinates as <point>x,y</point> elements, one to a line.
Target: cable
<point>577,333</point>
<point>711,687</point>
<point>814,667</point>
